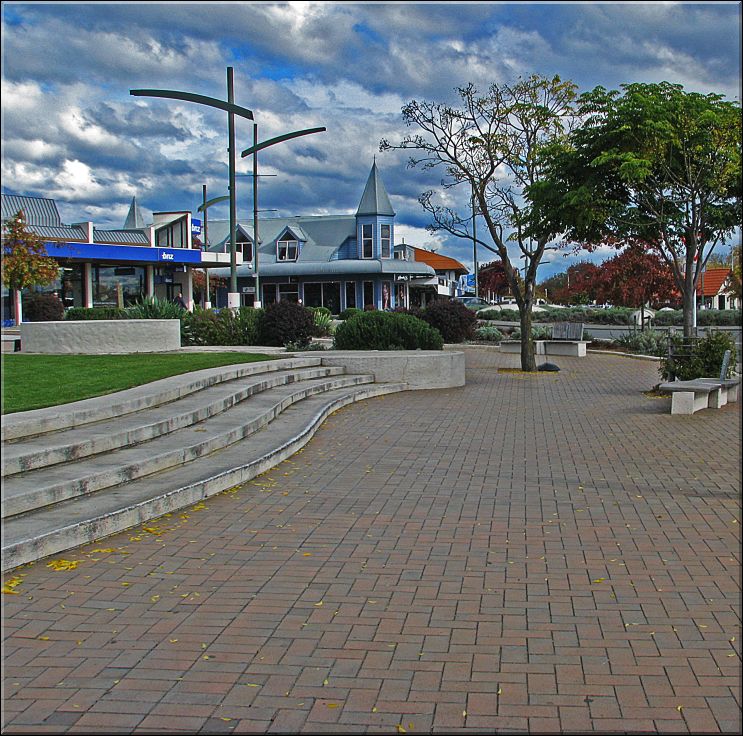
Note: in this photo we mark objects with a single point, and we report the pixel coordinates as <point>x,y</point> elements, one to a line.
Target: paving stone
<point>402,557</point>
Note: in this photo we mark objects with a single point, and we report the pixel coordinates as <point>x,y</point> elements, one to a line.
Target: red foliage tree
<point>492,278</point>
<point>580,286</point>
<point>637,277</point>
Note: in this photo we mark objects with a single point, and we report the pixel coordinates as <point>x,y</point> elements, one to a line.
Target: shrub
<point>348,313</point>
<point>38,307</point>
<point>150,307</point>
<point>221,327</point>
<point>322,310</point>
<point>452,319</point>
<point>286,322</point>
<point>507,315</point>
<point>699,359</point>
<point>488,333</point>
<point>81,313</point>
<point>538,332</point>
<point>647,342</point>
<point>376,330</point>
<point>323,323</point>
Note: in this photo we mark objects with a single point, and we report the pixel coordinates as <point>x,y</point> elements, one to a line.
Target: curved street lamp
<point>254,151</point>
<point>233,298</point>
<point>203,208</point>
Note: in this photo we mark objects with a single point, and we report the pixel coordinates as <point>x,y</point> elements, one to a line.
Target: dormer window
<point>385,235</point>
<point>287,250</point>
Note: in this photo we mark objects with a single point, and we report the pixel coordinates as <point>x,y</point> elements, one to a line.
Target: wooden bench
<point>688,397</point>
<point>567,339</point>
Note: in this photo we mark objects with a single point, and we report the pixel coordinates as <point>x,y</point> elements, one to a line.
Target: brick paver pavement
<point>544,553</point>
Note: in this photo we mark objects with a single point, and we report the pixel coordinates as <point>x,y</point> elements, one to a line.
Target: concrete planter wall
<point>101,336</point>
<point>418,368</point>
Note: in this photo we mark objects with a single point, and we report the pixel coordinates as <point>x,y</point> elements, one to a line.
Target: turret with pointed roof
<point>374,200</point>
<point>134,220</point>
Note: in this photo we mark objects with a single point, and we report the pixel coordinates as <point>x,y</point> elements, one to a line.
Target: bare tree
<point>493,143</point>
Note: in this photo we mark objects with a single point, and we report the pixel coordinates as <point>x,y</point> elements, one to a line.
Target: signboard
<point>470,280</point>
<point>142,254</point>
<point>195,227</point>
<point>248,289</point>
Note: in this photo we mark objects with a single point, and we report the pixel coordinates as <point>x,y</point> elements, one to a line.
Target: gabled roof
<point>134,219</point>
<point>374,200</point>
<point>37,210</point>
<point>713,280</point>
<point>437,261</point>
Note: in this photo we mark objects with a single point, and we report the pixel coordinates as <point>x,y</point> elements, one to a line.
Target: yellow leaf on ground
<point>62,564</point>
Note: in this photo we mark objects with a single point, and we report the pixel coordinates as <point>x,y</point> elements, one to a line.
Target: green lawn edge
<point>40,381</point>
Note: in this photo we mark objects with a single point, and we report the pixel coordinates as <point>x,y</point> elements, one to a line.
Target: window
<point>289,293</point>
<point>367,241</point>
<point>286,250</point>
<point>369,294</point>
<point>326,294</point>
<point>243,245</point>
<point>385,234</point>
<point>350,294</point>
<point>173,235</point>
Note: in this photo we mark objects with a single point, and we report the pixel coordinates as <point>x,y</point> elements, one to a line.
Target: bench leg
<point>688,402</point>
<point>718,398</point>
<point>733,393</point>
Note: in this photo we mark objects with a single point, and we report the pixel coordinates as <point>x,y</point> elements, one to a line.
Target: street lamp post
<point>233,298</point>
<point>254,151</point>
<point>474,243</point>
<point>204,208</point>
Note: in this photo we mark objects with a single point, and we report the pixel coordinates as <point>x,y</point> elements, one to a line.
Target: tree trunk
<point>528,361</point>
<point>689,298</point>
<point>17,307</point>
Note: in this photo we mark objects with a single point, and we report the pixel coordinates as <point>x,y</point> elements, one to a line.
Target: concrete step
<point>50,485</point>
<point>62,446</point>
<point>53,529</point>
<point>39,421</point>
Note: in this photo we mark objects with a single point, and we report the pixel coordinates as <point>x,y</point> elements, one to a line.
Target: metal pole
<point>474,244</point>
<point>207,300</point>
<point>257,299</point>
<point>233,298</point>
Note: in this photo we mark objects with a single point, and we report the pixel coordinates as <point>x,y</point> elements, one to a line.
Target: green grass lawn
<point>36,381</point>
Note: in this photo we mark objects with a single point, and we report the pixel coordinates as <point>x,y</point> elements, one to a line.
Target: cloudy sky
<point>72,132</point>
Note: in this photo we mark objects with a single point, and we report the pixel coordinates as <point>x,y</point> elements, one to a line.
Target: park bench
<point>688,397</point>
<point>567,339</point>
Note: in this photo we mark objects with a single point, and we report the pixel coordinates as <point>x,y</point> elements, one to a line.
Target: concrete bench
<point>703,393</point>
<point>567,339</point>
<point>691,396</point>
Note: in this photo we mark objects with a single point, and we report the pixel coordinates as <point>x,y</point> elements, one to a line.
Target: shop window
<point>289,292</point>
<point>350,294</point>
<point>369,294</point>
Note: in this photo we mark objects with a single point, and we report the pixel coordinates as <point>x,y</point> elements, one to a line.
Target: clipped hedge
<point>376,330</point>
<point>83,313</point>
<point>488,333</point>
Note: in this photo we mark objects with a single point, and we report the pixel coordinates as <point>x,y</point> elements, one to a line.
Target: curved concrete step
<point>46,486</point>
<point>50,419</point>
<point>69,524</point>
<point>63,446</point>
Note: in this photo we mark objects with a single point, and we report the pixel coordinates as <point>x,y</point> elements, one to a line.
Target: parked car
<point>472,302</point>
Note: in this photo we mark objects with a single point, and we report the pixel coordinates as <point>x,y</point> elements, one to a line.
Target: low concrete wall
<point>418,368</point>
<point>101,336</point>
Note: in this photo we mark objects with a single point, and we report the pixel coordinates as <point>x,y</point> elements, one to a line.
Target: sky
<point>72,132</point>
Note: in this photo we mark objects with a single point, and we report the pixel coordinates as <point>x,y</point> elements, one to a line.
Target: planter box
<point>574,348</point>
<point>101,336</point>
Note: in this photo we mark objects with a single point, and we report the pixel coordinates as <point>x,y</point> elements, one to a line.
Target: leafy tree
<point>653,165</point>
<point>736,277</point>
<point>491,144</point>
<point>634,278</point>
<point>491,277</point>
<point>25,262</point>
